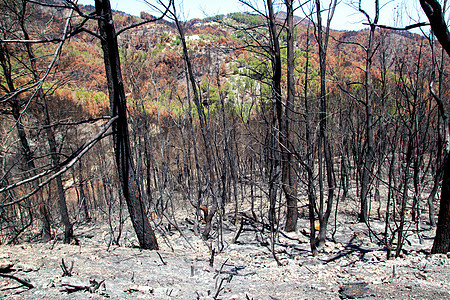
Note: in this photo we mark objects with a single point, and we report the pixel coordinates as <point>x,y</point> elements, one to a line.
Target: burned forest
<point>258,154</point>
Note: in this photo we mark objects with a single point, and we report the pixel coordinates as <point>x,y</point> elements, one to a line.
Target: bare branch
<point>39,83</point>
<point>146,21</point>
<point>72,160</point>
<point>412,26</point>
<point>67,123</point>
<point>32,41</point>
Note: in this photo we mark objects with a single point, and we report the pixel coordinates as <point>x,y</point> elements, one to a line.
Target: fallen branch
<point>21,281</point>
<point>92,288</point>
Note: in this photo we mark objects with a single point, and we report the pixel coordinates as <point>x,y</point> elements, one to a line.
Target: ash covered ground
<point>351,265</point>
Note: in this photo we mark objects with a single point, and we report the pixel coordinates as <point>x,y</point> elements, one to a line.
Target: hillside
<point>215,45</point>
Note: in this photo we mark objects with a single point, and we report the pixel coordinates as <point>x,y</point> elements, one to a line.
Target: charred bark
<point>288,173</point>
<point>441,244</point>
<point>127,175</point>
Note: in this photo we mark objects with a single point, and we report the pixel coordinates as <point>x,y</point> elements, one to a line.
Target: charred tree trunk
<point>369,153</point>
<point>24,145</point>
<point>442,240</point>
<point>441,244</point>
<point>324,144</point>
<point>83,196</point>
<point>210,175</point>
<point>127,176</point>
<point>288,173</point>
<point>309,154</point>
<point>68,229</point>
<point>277,118</point>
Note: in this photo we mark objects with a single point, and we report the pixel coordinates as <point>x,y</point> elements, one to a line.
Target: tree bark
<point>288,173</point>
<point>309,153</point>
<point>68,228</point>
<point>441,243</point>
<point>435,15</point>
<point>277,110</point>
<point>127,175</point>
<point>366,172</point>
<point>324,144</point>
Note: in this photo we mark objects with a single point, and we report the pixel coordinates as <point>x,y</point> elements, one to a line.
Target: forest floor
<point>350,266</point>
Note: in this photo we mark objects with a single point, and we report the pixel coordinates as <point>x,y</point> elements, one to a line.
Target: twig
<point>160,257</point>
<point>145,21</point>
<point>312,272</point>
<point>21,281</point>
<point>211,260</point>
<point>220,271</point>
<point>238,233</point>
<point>219,288</point>
<point>66,272</point>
